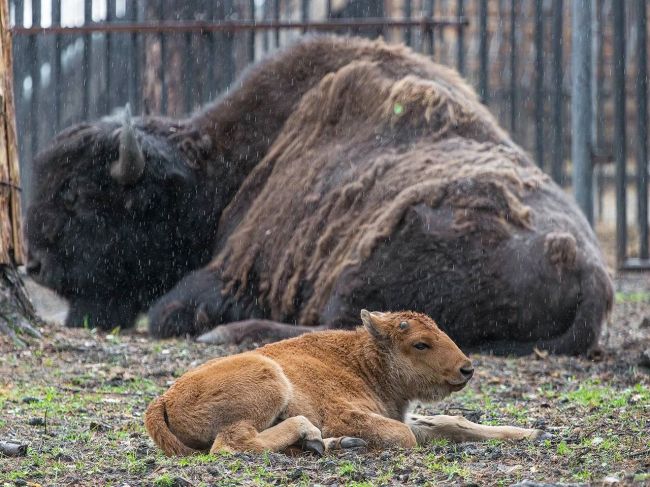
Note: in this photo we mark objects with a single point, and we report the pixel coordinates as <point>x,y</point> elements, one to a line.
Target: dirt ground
<point>77,399</point>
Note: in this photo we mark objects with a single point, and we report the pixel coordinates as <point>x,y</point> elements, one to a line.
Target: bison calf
<point>324,390</point>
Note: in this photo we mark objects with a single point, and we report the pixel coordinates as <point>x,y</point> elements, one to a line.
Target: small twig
<point>95,391</point>
<point>640,453</point>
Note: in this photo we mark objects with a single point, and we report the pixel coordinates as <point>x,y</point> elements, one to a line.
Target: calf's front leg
<point>458,429</point>
<point>375,430</point>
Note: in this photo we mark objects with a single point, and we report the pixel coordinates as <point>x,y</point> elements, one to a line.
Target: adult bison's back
<point>398,190</point>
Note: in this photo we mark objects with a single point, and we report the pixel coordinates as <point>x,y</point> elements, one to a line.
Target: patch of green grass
<point>437,464</point>
<point>347,468</point>
<point>633,297</point>
<point>562,448</point>
<point>164,480</point>
<point>359,484</point>
<point>201,459</point>
<point>594,394</point>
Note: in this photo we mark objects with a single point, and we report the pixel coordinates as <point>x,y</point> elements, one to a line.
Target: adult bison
<point>336,175</point>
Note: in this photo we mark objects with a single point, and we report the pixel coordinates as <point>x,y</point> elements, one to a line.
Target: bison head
<point>120,212</point>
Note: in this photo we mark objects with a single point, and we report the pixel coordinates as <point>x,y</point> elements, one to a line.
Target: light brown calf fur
<point>324,390</point>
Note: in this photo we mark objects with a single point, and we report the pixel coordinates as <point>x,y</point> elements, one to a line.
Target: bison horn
<point>129,166</point>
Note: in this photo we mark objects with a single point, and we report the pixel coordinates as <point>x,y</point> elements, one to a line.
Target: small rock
<point>181,482</point>
<point>295,474</point>
<point>610,479</point>
<point>97,426</point>
<point>30,400</point>
<point>645,322</point>
<point>36,422</point>
<point>644,360</point>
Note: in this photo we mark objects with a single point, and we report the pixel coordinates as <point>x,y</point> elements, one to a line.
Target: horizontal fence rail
<point>202,27</point>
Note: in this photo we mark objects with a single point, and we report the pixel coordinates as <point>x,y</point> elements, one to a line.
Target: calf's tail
<point>155,420</point>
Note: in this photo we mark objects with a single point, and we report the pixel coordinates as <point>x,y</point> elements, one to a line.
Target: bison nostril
<point>33,267</point>
<point>467,372</point>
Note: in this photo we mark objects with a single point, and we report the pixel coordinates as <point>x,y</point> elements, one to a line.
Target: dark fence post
<point>85,63</point>
<point>618,18</point>
<point>35,73</point>
<point>56,66</point>
<point>460,38</point>
<point>581,105</point>
<point>251,34</point>
<point>642,128</point>
<point>163,56</point>
<point>19,78</point>
<point>134,91</point>
<point>431,39</point>
<point>513,65</point>
<point>189,83</point>
<point>539,82</point>
<point>557,168</point>
<point>483,51</point>
<point>304,13</point>
<point>109,87</point>
<point>276,17</point>
<point>408,13</point>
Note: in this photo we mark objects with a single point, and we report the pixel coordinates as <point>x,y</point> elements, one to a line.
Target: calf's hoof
<point>344,443</point>
<point>317,447</point>
<point>540,435</point>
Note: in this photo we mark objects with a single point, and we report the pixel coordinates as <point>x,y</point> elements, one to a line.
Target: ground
<point>77,398</point>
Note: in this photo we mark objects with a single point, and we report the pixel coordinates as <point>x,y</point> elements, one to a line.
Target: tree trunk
<point>16,310</point>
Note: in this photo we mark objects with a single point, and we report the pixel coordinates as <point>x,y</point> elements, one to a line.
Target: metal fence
<point>80,59</point>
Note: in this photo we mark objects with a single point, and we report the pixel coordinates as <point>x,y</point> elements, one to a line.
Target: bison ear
<point>374,323</point>
<point>129,166</point>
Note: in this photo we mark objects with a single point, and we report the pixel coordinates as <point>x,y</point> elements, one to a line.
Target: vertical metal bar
<point>596,59</point>
<point>56,66</point>
<point>460,40</point>
<point>35,73</point>
<point>408,13</point>
<point>108,59</point>
<point>265,36</point>
<point>163,56</point>
<point>513,65</point>
<point>483,51</point>
<point>134,47</point>
<point>431,38</point>
<point>85,63</point>
<point>251,34</point>
<point>276,18</point>
<point>212,89</point>
<point>190,66</point>
<point>557,167</point>
<point>228,47</point>
<point>539,83</point>
<point>328,9</point>
<point>618,18</point>
<point>304,13</point>
<point>642,128</point>
<point>581,105</point>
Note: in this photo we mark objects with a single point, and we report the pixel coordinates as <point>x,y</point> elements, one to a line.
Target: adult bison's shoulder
<point>398,190</point>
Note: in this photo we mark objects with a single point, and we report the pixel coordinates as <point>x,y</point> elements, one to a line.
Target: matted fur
<point>402,140</point>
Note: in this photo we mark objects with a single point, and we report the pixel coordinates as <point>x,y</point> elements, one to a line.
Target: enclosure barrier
<point>516,53</point>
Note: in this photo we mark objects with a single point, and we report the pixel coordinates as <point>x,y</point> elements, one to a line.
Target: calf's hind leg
<point>458,429</point>
<point>243,436</point>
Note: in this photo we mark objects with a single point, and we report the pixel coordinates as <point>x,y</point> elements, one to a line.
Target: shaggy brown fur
<point>402,140</point>
<point>333,389</point>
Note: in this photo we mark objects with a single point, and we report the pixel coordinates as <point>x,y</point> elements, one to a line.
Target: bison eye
<point>421,346</point>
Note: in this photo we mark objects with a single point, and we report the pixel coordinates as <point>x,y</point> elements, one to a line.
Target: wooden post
<point>16,310</point>
<point>11,244</point>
